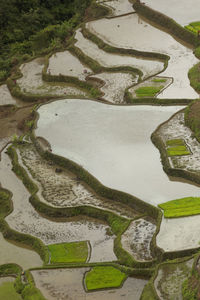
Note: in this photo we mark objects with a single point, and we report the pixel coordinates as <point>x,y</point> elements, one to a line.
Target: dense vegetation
<point>32,27</point>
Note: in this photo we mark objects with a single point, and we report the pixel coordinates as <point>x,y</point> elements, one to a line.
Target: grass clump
<point>177,147</point>
<point>69,252</point>
<point>158,80</point>
<point>148,91</point>
<point>8,292</point>
<point>181,207</point>
<point>102,277</point>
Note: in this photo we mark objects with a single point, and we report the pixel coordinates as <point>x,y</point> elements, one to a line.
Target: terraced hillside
<point>99,165</point>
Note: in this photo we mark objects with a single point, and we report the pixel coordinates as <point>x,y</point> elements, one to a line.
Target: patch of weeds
<point>148,91</point>
<point>181,207</point>
<point>69,252</point>
<point>102,277</point>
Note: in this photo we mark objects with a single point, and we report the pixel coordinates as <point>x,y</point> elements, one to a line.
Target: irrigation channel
<point>81,190</point>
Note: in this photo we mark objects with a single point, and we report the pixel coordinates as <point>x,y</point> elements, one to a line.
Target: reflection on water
<point>113,143</point>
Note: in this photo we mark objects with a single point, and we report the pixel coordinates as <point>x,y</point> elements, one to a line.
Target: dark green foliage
<point>37,27</point>
<point>194,75</point>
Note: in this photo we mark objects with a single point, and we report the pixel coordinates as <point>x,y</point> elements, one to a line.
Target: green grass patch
<point>178,151</point>
<point>181,207</point>
<point>158,80</point>
<point>177,147</point>
<point>104,277</point>
<point>8,292</point>
<point>147,91</point>
<point>175,142</point>
<point>193,27</point>
<point>69,252</point>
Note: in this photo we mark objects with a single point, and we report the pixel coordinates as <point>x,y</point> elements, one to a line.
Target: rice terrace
<point>100,150</point>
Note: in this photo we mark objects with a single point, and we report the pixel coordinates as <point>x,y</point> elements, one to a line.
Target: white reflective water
<point>113,143</point>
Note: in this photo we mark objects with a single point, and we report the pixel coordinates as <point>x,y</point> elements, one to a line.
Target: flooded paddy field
<point>116,152</point>
<point>68,284</point>
<point>137,238</point>
<point>64,189</point>
<point>30,222</point>
<point>118,7</point>
<point>11,253</point>
<point>116,32</point>
<point>183,12</point>
<point>6,97</point>
<point>113,143</point>
<point>31,81</point>
<point>148,67</point>
<point>168,283</point>
<point>179,233</point>
<point>67,64</point>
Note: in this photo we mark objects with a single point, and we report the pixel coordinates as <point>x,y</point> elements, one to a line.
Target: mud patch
<point>137,238</point>
<point>170,278</point>
<point>115,85</point>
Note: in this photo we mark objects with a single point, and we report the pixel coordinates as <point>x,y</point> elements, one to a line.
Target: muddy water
<point>67,64</point>
<point>170,278</point>
<point>29,221</point>
<point>115,85</point>
<point>67,284</point>
<point>10,253</point>
<point>137,238</point>
<point>145,37</point>
<point>148,67</point>
<point>183,12</point>
<point>63,189</point>
<point>113,144</point>
<point>32,82</point>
